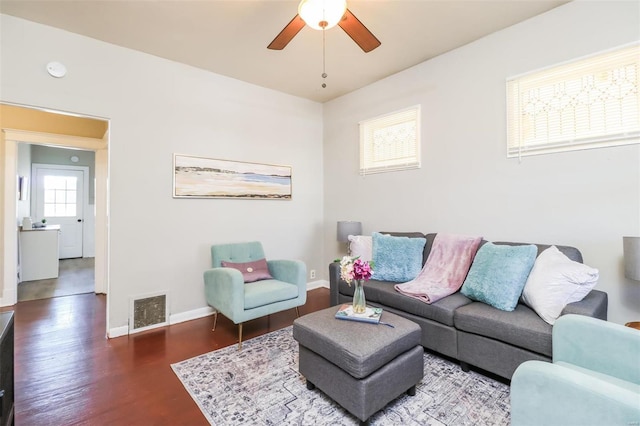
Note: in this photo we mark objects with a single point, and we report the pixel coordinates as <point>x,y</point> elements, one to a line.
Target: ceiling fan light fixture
<point>322,14</point>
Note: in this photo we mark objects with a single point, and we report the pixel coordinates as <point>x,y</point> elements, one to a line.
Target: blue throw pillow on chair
<point>396,259</point>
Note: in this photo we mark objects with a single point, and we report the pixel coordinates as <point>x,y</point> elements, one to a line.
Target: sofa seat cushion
<point>384,293</point>
<point>521,327</point>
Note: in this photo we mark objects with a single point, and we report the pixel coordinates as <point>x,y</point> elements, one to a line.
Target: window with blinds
<point>390,142</point>
<point>589,103</point>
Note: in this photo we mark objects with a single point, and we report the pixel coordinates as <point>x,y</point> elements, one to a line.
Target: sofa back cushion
<point>571,252</point>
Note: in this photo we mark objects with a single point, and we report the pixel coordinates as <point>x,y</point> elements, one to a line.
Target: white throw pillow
<point>361,246</point>
<point>555,281</point>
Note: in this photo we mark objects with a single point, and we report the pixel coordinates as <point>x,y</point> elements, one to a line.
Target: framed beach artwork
<point>198,177</point>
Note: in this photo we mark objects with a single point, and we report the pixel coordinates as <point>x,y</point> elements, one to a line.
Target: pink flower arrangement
<point>355,269</point>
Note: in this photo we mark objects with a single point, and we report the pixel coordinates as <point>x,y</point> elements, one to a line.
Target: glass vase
<point>359,302</point>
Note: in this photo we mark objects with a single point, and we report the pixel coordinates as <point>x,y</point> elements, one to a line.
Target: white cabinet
<point>39,253</point>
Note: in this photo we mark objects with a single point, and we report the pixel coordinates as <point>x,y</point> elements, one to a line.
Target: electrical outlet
<point>312,273</point>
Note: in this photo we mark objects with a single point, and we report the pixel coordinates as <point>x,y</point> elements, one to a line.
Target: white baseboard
<point>118,331</point>
<point>9,297</point>
<point>191,315</point>
<point>317,284</point>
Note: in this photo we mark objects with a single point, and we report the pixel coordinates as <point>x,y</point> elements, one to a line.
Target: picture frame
<point>201,177</point>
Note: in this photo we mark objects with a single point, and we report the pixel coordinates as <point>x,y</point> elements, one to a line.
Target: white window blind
<point>390,142</point>
<point>589,103</point>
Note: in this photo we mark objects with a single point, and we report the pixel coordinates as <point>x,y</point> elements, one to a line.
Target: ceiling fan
<point>322,15</point>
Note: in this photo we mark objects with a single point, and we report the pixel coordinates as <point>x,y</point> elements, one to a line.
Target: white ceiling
<point>231,37</point>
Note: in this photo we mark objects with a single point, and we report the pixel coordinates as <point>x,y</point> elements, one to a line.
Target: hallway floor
<point>76,277</point>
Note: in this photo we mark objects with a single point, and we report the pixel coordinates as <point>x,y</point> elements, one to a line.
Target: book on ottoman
<point>371,315</point>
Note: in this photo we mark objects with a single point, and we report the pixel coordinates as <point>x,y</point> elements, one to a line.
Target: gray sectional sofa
<point>472,332</point>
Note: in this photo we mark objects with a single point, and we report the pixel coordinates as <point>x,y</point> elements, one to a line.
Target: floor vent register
<point>148,312</point>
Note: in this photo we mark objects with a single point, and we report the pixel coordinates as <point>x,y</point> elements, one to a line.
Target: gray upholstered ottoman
<point>361,366</point>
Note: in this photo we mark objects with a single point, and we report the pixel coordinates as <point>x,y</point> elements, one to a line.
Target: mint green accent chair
<point>227,293</point>
<point>594,378</point>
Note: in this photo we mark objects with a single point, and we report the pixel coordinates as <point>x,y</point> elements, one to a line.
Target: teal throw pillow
<point>498,274</point>
<point>396,259</point>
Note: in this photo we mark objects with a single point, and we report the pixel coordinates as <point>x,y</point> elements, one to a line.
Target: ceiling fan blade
<point>287,33</point>
<point>358,32</point>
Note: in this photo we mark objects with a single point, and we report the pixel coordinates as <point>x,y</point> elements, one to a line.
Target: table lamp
<point>346,228</point>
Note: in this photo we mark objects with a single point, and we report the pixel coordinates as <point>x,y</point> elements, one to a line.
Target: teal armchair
<point>227,293</point>
<point>594,378</point>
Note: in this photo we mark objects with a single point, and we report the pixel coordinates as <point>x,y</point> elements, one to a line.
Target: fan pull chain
<point>324,74</point>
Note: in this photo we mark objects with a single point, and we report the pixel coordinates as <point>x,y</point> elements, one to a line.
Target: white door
<point>59,198</point>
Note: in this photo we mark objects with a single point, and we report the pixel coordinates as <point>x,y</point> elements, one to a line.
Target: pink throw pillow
<point>251,271</point>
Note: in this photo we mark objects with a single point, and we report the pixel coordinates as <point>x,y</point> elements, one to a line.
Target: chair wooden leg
<point>240,336</point>
<point>215,320</point>
<point>297,312</point>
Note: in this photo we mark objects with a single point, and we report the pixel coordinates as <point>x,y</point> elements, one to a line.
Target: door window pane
<point>60,194</point>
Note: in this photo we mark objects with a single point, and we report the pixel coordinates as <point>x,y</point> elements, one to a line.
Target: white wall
<point>588,199</point>
<point>157,108</point>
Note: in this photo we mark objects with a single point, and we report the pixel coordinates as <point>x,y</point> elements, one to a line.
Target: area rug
<point>260,385</point>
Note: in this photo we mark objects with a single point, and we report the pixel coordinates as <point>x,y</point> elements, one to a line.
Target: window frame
<point>566,73</point>
<point>61,196</point>
<point>387,164</point>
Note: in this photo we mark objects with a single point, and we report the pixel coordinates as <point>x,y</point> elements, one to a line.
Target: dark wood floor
<point>67,372</point>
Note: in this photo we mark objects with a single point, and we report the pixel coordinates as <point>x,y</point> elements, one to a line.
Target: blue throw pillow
<point>498,274</point>
<point>396,259</point>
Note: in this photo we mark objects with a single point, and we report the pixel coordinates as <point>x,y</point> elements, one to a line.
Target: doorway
<point>60,197</point>
<point>68,131</point>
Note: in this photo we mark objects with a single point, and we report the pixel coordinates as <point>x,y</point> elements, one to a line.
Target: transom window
<point>390,142</point>
<point>589,103</point>
<point>60,194</point>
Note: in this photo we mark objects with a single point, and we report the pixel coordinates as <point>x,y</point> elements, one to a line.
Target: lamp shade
<point>322,14</point>
<point>631,250</point>
<point>346,228</point>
